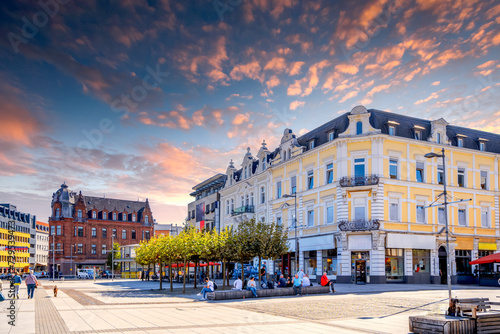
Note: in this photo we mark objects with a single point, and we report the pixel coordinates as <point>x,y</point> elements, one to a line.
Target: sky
<point>140,99</point>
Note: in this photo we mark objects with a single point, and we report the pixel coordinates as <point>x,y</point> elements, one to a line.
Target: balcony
<point>356,181</point>
<point>359,225</point>
<point>80,220</point>
<point>242,210</point>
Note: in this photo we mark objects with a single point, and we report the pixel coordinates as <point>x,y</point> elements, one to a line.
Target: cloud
<point>435,83</point>
<point>296,104</point>
<point>306,85</point>
<point>277,64</point>
<point>272,82</point>
<point>346,68</point>
<point>295,68</point>
<point>250,70</point>
<point>349,95</point>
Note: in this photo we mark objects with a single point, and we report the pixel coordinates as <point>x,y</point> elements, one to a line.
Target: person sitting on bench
<point>282,282</point>
<point>326,282</point>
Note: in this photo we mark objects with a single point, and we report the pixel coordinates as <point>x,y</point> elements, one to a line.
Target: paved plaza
<point>132,306</point>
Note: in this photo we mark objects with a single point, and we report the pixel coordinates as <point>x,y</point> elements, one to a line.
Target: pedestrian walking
<point>147,275</point>
<point>142,275</point>
<point>208,287</point>
<point>263,275</point>
<point>252,286</point>
<point>17,284</point>
<point>31,283</point>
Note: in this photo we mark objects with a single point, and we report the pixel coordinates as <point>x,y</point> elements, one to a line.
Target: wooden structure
<point>234,294</point>
<point>441,324</point>
<point>479,309</point>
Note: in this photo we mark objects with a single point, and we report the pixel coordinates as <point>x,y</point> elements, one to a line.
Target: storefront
<point>464,269</point>
<point>312,248</point>
<point>360,266</point>
<point>394,265</point>
<point>310,263</point>
<point>421,266</point>
<point>329,263</point>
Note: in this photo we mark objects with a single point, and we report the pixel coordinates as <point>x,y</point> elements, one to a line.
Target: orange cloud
<point>276,64</point>
<point>296,66</point>
<point>250,70</point>
<point>346,68</point>
<point>349,95</point>
<point>296,104</point>
<point>272,82</point>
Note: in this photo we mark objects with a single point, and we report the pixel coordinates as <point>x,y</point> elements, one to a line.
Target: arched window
<point>284,155</point>
<point>359,128</point>
<point>227,207</point>
<point>262,195</point>
<point>232,204</point>
<point>133,217</point>
<point>289,153</point>
<point>80,214</point>
<point>104,215</point>
<point>114,215</point>
<point>94,214</point>
<point>58,212</point>
<point>124,217</point>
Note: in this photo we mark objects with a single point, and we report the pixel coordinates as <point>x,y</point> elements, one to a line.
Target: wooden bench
<point>441,324</point>
<point>480,309</point>
<point>234,294</point>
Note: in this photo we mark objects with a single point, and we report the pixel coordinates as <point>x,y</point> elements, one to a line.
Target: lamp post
<point>71,269</point>
<point>448,264</point>
<point>294,195</point>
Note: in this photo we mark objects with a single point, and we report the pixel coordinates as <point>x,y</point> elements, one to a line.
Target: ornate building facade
<point>82,228</point>
<point>363,186</point>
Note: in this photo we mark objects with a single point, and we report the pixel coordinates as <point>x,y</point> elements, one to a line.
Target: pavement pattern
<point>132,306</point>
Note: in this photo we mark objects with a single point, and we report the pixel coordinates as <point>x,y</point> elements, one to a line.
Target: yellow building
<point>363,188</point>
<point>15,227</point>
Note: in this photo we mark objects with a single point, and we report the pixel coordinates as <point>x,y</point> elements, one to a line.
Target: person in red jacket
<point>326,282</point>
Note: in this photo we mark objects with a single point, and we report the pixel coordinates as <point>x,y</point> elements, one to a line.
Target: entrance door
<point>443,265</point>
<point>360,271</point>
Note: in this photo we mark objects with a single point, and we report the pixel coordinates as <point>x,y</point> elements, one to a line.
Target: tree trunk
<point>227,276</point>
<point>258,271</point>
<point>184,278</point>
<point>170,278</point>
<point>161,283</point>
<point>223,275</point>
<point>195,272</point>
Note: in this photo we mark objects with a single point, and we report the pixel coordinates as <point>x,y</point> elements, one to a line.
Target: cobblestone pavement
<point>132,307</point>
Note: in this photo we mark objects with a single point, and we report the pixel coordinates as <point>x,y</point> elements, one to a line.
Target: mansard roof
<point>100,203</point>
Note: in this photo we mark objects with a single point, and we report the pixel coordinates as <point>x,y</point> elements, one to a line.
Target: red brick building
<point>81,227</point>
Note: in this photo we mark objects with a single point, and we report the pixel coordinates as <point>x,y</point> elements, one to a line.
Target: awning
<point>493,258</point>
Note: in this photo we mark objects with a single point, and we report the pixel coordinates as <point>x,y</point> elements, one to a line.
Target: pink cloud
<point>296,104</point>
<point>250,70</point>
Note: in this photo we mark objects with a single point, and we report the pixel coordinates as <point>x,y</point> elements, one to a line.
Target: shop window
<point>462,259</point>
<point>421,260</point>
<point>394,265</point>
<point>329,263</point>
<point>310,262</point>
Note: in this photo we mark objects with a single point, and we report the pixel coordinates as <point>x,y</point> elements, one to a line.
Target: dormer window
<point>392,127</point>
<point>417,132</point>
<point>482,144</point>
<point>331,135</point>
<point>289,153</point>
<point>246,172</point>
<point>438,138</point>
<point>263,164</point>
<point>284,155</point>
<point>311,144</point>
<point>359,127</point>
<point>58,212</point>
<point>94,214</point>
<point>460,142</point>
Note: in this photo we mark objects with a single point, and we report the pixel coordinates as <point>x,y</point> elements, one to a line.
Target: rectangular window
<point>461,177</point>
<point>392,130</point>
<point>418,135</point>
<point>104,215</point>
<point>394,212</point>
<point>311,144</point>
<point>330,136</point>
<point>440,175</point>
<point>310,218</point>
<point>278,221</point>
<point>393,168</point>
<point>94,214</point>
<point>146,235</point>
<point>460,142</point>
<point>94,232</point>
<point>310,180</point>
<point>438,138</point>
<point>103,249</point>
<point>104,233</point>
<point>59,230</point>
<point>420,214</point>
<point>481,146</point>
<point>93,249</point>
<point>329,214</point>
<point>359,167</point>
<point>80,231</point>
<point>462,221</point>
<point>133,234</point>
<point>114,215</point>
<point>484,180</point>
<point>52,230</point>
<point>329,173</point>
<point>79,249</point>
<point>441,216</point>
<point>124,234</point>
<point>114,233</point>
<point>278,189</point>
<point>294,184</point>
<point>484,218</point>
<point>420,172</point>
<point>262,195</point>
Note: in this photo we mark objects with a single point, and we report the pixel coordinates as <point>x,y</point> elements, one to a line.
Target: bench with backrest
<point>487,318</point>
<point>239,294</point>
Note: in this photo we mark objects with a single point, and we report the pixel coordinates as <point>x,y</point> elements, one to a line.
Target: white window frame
<point>279,190</point>
<point>310,174</point>
<point>262,195</point>
<point>485,210</point>
<point>423,171</point>
<point>460,142</point>
<point>458,216</point>
<point>331,135</point>
<point>358,198</point>
<point>421,204</point>
<point>397,168</point>
<point>309,210</point>
<point>444,215</point>
<point>328,170</point>
<point>327,206</point>
<point>395,201</point>
<point>465,177</point>
<point>311,144</point>
<point>486,181</point>
<point>392,130</point>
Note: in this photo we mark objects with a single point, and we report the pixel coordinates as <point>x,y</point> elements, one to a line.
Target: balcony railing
<point>242,210</point>
<point>80,220</point>
<point>357,181</point>
<point>359,225</point>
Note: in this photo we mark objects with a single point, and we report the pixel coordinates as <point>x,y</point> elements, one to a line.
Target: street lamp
<point>448,271</point>
<point>294,195</point>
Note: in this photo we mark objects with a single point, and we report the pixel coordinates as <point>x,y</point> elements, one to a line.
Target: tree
<point>116,256</point>
<point>187,246</point>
